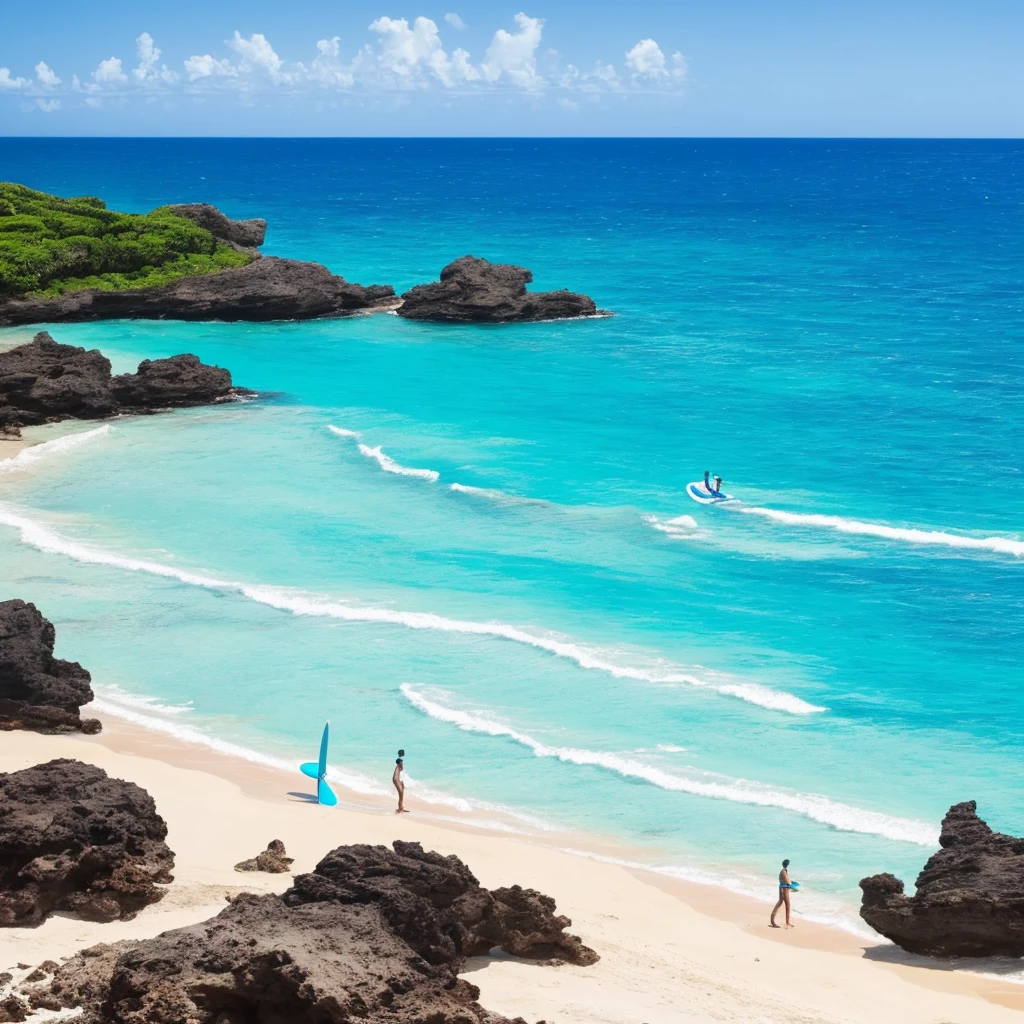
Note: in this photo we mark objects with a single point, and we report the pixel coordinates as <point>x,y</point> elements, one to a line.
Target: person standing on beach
<point>396,778</point>
<point>785,888</point>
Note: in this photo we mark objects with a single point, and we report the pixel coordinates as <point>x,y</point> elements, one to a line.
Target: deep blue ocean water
<point>835,327</point>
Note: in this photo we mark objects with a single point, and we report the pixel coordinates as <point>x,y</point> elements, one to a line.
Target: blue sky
<point>546,67</point>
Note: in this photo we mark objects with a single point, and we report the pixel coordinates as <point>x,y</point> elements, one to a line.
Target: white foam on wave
<point>58,446</point>
<point>480,492</point>
<point>389,465</point>
<point>818,808</point>
<point>115,694</point>
<point>679,528</point>
<point>342,432</point>
<point>301,603</point>
<point>999,545</point>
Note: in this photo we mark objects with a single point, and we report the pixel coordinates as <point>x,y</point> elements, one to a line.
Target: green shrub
<point>50,245</point>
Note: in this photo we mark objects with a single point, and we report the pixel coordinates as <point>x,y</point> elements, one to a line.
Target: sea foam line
<point>389,465</point>
<point>1000,545</point>
<point>299,603</point>
<point>818,808</point>
<point>58,446</point>
<point>342,432</point>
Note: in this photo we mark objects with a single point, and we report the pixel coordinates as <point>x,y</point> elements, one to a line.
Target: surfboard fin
<point>325,794</point>
<point>310,768</point>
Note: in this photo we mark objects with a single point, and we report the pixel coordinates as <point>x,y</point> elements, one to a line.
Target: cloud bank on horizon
<point>398,58</point>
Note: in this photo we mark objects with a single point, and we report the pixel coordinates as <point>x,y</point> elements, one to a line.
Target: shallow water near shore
<point>474,543</point>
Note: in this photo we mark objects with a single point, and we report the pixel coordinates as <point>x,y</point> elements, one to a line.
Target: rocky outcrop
<point>273,860</point>
<point>246,234</point>
<point>969,899</point>
<point>472,290</point>
<point>37,690</point>
<point>372,934</point>
<point>74,839</point>
<point>267,289</point>
<point>44,381</point>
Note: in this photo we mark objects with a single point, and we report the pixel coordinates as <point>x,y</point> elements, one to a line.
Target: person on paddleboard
<point>785,888</point>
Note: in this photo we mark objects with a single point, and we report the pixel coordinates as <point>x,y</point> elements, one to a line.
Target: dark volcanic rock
<point>37,690</point>
<point>273,860</point>
<point>472,290</point>
<point>372,935</point>
<point>72,838</point>
<point>246,234</point>
<point>267,289</point>
<point>969,899</point>
<point>43,381</point>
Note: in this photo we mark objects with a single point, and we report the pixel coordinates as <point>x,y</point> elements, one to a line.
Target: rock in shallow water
<point>37,690</point>
<point>969,899</point>
<point>372,934</point>
<point>43,382</point>
<point>473,290</point>
<point>72,838</point>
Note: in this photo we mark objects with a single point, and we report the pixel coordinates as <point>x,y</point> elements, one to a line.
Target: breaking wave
<point>389,465</point>
<point>58,446</point>
<point>999,545</point>
<point>342,432</point>
<point>818,808</point>
<point>300,603</point>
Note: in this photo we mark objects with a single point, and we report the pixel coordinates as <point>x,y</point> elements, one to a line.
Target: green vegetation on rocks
<point>50,245</point>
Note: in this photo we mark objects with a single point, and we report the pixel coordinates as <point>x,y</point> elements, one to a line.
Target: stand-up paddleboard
<point>318,770</point>
<point>701,494</point>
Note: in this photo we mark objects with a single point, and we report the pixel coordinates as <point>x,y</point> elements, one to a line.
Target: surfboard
<point>703,496</point>
<point>318,769</point>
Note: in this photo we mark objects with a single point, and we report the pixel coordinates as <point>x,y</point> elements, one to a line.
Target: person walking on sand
<point>396,778</point>
<point>785,888</point>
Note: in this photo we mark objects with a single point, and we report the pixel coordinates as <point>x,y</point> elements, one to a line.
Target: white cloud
<point>149,71</point>
<point>513,55</point>
<point>647,61</point>
<point>7,81</point>
<point>46,76</point>
<point>570,105</point>
<point>108,72</point>
<point>257,54</point>
<point>48,106</point>
<point>94,101</point>
<point>209,67</point>
<point>455,21</point>
<point>412,55</point>
<point>327,69</point>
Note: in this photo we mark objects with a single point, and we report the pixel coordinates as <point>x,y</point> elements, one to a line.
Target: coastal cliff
<point>969,899</point>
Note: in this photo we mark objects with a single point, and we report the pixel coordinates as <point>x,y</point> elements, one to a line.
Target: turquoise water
<point>565,637</point>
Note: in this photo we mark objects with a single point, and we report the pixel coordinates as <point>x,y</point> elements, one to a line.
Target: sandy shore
<point>670,951</point>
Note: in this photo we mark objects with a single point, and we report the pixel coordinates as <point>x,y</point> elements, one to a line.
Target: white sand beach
<point>669,951</point>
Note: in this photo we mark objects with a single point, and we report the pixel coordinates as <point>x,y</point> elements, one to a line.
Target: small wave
<point>140,701</point>
<point>480,492</point>
<point>300,603</point>
<point>999,545</point>
<point>342,432</point>
<point>389,465</point>
<point>58,446</point>
<point>840,816</point>
<point>680,528</point>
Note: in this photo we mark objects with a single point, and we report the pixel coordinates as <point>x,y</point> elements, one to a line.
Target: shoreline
<point>660,938</point>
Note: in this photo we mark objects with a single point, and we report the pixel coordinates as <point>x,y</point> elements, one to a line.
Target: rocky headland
<point>969,899</point>
<point>37,690</point>
<point>74,839</point>
<point>371,934</point>
<point>473,290</point>
<point>44,381</point>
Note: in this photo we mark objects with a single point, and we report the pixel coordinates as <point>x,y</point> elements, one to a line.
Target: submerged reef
<point>969,899</point>
<point>74,839</point>
<point>371,934</point>
<point>38,691</point>
<point>472,290</point>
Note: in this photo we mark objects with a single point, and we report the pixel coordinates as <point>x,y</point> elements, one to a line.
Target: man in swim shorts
<point>784,890</point>
<point>396,778</point>
<point>718,484</point>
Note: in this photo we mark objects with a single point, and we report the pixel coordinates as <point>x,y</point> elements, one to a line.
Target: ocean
<point>474,543</point>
